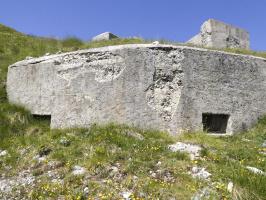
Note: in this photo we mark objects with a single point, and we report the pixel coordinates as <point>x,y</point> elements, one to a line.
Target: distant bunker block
<point>170,88</point>
<point>218,34</point>
<point>104,36</point>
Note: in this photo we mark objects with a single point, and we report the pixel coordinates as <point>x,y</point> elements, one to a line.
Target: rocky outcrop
<point>151,86</point>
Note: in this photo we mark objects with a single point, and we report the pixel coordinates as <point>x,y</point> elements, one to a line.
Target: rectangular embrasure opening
<point>214,123</point>
<point>42,117</point>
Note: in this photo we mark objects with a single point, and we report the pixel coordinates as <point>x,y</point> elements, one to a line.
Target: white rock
<point>245,140</point>
<point>201,173</point>
<point>64,141</point>
<point>153,175</point>
<point>78,170</point>
<point>23,151</point>
<point>50,174</point>
<point>159,163</point>
<point>40,159</point>
<point>156,42</point>
<point>230,187</point>
<point>126,195</point>
<point>114,169</point>
<point>3,153</point>
<point>86,190</point>
<point>24,178</point>
<point>117,164</point>
<point>28,58</point>
<point>256,170</point>
<point>58,181</point>
<point>192,149</point>
<point>47,54</point>
<point>202,194</point>
<point>134,134</point>
<point>264,144</point>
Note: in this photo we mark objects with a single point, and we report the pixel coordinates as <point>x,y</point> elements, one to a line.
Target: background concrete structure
<point>173,88</point>
<point>104,36</point>
<point>218,34</point>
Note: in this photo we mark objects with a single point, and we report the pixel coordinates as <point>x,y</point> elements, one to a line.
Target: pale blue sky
<point>176,20</point>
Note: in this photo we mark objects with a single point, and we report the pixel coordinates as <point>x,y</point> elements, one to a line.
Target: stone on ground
<point>230,187</point>
<point>256,170</point>
<point>133,134</point>
<point>64,141</point>
<point>201,173</point>
<point>78,170</point>
<point>13,184</point>
<point>264,144</point>
<point>126,195</point>
<point>3,153</point>
<point>192,149</point>
<point>202,194</point>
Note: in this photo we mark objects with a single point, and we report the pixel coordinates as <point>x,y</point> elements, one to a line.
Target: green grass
<point>101,147</point>
<point>228,156</point>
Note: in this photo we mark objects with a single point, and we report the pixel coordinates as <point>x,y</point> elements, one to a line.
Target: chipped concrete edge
<point>126,46</point>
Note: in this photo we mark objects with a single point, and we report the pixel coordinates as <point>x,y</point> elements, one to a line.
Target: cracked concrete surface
<point>147,85</point>
<point>106,66</point>
<point>164,92</point>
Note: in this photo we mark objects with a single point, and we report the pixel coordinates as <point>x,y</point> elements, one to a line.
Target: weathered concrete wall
<point>32,83</point>
<point>223,84</point>
<point>217,34</point>
<point>150,86</point>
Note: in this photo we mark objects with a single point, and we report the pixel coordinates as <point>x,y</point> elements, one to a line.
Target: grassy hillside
<point>114,160</point>
<point>118,159</point>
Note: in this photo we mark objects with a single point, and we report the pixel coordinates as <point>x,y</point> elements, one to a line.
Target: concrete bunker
<point>215,123</point>
<point>162,87</point>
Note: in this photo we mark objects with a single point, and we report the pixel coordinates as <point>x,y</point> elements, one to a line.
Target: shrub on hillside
<point>72,42</point>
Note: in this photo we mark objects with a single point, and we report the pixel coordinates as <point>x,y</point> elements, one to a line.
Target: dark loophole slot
<point>214,123</point>
<point>42,117</point>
